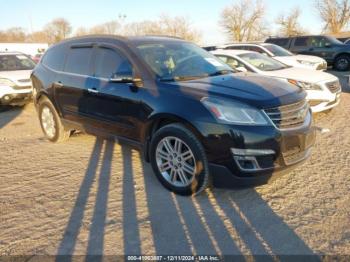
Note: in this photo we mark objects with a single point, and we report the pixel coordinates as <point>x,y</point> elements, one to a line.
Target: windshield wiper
<point>221,72</point>
<point>180,78</point>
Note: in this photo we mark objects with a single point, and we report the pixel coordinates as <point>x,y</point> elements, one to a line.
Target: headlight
<point>308,63</point>
<point>6,82</point>
<point>234,113</point>
<point>305,85</point>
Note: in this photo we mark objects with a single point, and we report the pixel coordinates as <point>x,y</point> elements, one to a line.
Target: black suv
<point>182,106</point>
<point>335,52</point>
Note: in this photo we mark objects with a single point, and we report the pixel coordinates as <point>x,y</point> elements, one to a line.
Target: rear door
<point>301,45</point>
<point>72,85</point>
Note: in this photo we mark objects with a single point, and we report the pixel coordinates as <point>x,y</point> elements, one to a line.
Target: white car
<point>323,89</point>
<point>15,83</point>
<point>282,55</point>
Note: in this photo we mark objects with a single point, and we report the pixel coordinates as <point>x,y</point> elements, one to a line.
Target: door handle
<point>57,84</point>
<point>93,90</point>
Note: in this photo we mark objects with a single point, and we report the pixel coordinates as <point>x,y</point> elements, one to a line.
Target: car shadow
<point>8,113</point>
<point>222,222</point>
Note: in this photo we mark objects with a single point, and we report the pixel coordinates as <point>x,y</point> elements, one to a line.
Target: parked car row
<point>335,52</point>
<point>323,89</point>
<point>230,117</point>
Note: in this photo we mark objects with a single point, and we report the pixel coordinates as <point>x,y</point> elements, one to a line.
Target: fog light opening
<point>247,163</point>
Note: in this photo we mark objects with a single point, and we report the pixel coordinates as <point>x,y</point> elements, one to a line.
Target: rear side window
<point>78,61</point>
<point>255,49</point>
<point>279,41</point>
<point>111,62</point>
<point>54,58</point>
<point>235,47</point>
<point>301,41</point>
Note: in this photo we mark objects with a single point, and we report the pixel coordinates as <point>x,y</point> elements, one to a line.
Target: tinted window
<point>301,41</point>
<point>255,49</point>
<point>54,58</point>
<point>235,47</point>
<point>319,41</point>
<point>110,62</point>
<point>78,61</point>
<point>279,41</point>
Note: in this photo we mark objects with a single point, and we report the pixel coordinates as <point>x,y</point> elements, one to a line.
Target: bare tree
<point>177,26</point>
<point>14,34</point>
<point>335,14</point>
<point>289,24</point>
<point>81,31</point>
<point>244,20</point>
<point>37,37</point>
<point>110,28</point>
<point>58,30</point>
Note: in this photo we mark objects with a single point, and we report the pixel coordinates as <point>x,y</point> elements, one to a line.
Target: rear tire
<point>342,63</point>
<point>179,161</point>
<point>50,122</point>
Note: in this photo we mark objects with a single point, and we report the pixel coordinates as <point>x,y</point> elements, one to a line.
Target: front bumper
<point>320,105</point>
<point>15,96</point>
<point>283,151</point>
<point>322,100</point>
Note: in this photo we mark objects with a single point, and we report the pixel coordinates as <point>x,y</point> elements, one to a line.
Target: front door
<point>116,107</point>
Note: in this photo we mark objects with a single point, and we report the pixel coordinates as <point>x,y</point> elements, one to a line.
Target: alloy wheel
<point>48,122</point>
<point>176,161</point>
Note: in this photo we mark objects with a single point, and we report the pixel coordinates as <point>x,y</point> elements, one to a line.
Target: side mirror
<point>241,69</point>
<point>126,79</point>
<point>327,45</point>
<point>122,78</point>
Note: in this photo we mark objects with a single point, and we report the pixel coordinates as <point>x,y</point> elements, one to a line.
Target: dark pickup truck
<point>335,52</point>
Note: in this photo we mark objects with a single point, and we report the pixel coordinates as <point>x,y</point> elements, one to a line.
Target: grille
<point>334,86</point>
<point>289,116</point>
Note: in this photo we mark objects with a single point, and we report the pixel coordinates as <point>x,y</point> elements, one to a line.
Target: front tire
<point>179,161</point>
<point>51,123</point>
<point>342,63</point>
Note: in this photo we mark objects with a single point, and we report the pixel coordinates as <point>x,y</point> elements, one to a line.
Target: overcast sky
<point>204,14</point>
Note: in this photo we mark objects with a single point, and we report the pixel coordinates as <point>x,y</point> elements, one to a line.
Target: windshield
<point>15,62</point>
<point>333,40</point>
<point>262,62</point>
<point>176,61</point>
<point>277,50</point>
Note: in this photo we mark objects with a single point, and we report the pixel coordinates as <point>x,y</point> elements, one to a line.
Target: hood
<point>310,58</point>
<point>21,77</point>
<point>300,74</point>
<point>253,89</point>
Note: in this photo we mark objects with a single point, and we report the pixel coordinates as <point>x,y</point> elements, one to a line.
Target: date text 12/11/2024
<point>172,258</point>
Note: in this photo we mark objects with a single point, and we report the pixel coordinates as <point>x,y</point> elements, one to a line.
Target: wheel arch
<point>160,120</point>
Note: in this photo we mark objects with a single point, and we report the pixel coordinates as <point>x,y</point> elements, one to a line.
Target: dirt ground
<point>93,196</point>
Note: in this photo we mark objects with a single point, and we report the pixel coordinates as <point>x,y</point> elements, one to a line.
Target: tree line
<point>243,20</point>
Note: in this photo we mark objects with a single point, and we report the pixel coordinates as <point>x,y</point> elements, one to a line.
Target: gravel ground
<point>93,196</point>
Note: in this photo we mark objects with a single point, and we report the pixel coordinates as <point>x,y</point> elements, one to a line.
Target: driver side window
<point>111,62</point>
<point>319,42</point>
